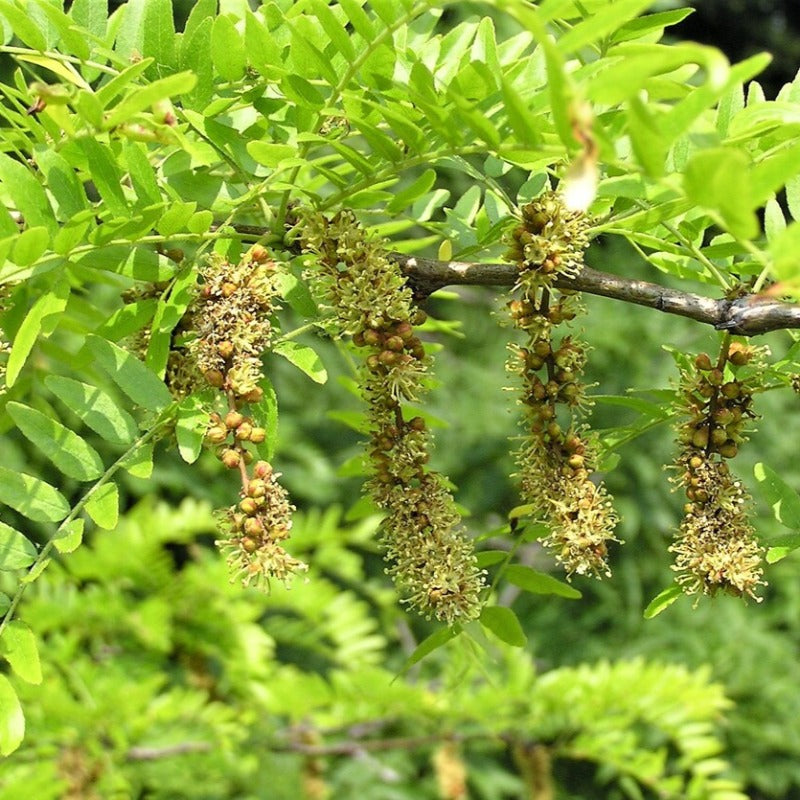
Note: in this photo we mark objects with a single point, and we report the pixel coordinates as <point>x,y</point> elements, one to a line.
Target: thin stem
<point>44,553</point>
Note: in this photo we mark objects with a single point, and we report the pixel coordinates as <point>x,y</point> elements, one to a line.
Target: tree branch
<point>144,753</point>
<point>746,316</point>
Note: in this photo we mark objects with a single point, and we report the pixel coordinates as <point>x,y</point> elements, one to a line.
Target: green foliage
<point>174,673</point>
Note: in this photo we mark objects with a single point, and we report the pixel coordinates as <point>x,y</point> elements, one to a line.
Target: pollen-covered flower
<point>231,320</point>
<point>253,532</point>
<point>556,458</point>
<point>431,559</point>
<point>715,548</point>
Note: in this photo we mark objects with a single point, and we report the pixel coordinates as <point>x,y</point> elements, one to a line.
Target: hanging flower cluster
<point>231,322</point>
<point>715,548</point>
<point>431,560</point>
<point>556,458</point>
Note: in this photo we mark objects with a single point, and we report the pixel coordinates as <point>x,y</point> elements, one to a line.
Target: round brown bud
<point>418,317</point>
<point>388,357</point>
<point>216,434</point>
<point>695,462</point>
<point>253,526</point>
<point>262,469</point>
<point>534,362</point>
<point>254,395</point>
<point>248,545</point>
<point>358,339</point>
<point>225,349</point>
<point>575,461</point>
<point>243,432</point>
<point>715,377</point>
<point>373,362</point>
<point>233,419</point>
<point>259,254</point>
<point>731,390</point>
<point>729,449</point>
<point>372,338</point>
<point>700,438</point>
<point>703,362</point>
<point>395,343</point>
<point>258,435</point>
<point>257,487</point>
<point>718,436</point>
<point>542,348</point>
<point>417,424</point>
<point>405,330</point>
<point>230,458</point>
<point>248,506</point>
<point>739,354</point>
<point>215,378</point>
<point>229,289</point>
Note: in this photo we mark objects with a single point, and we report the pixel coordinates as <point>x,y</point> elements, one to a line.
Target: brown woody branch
<point>746,316</point>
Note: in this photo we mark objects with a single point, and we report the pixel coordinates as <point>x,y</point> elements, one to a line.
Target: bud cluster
<point>715,548</point>
<point>231,321</point>
<point>255,528</point>
<point>556,459</point>
<point>431,559</point>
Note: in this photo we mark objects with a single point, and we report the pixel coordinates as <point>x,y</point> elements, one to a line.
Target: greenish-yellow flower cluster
<point>431,560</point>
<point>556,458</point>
<point>715,548</point>
<point>230,320</point>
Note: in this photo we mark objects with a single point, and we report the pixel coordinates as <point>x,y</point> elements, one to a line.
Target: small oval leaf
<point>503,623</point>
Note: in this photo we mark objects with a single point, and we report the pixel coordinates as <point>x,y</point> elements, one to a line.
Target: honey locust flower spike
<point>556,458</point>
<point>430,558</point>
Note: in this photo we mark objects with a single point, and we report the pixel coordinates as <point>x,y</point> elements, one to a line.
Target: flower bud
<point>233,419</point>
<point>231,458</point>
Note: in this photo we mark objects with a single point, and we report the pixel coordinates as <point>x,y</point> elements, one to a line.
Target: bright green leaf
<point>227,49</point>
<point>42,318</point>
<point>103,506</point>
<point>18,647</point>
<point>130,374</point>
<point>12,720</point>
<point>503,623</point>
<point>661,601</point>
<point>782,499</point>
<point>16,551</point>
<point>539,582</point>
<point>33,498</point>
<point>69,536</point>
<point>68,451</point>
<point>95,408</point>
<point>304,358</point>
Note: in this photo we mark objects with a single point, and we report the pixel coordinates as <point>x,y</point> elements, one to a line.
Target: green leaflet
<point>782,499</point>
<point>103,506</point>
<point>68,451</point>
<point>227,49</point>
<point>29,196</point>
<point>18,647</point>
<point>33,498</point>
<point>16,551</point>
<point>190,427</point>
<point>95,408</point>
<point>304,358</point>
<point>69,536</point>
<point>539,582</point>
<point>503,623</point>
<point>130,374</point>
<point>42,318</point>
<point>12,720</point>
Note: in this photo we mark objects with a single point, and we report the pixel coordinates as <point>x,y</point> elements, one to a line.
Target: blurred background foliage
<point>235,678</point>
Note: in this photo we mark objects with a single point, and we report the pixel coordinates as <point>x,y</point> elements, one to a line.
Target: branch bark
<point>750,315</point>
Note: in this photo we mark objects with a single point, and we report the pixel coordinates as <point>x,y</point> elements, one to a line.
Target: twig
<point>749,315</point>
<point>144,753</point>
